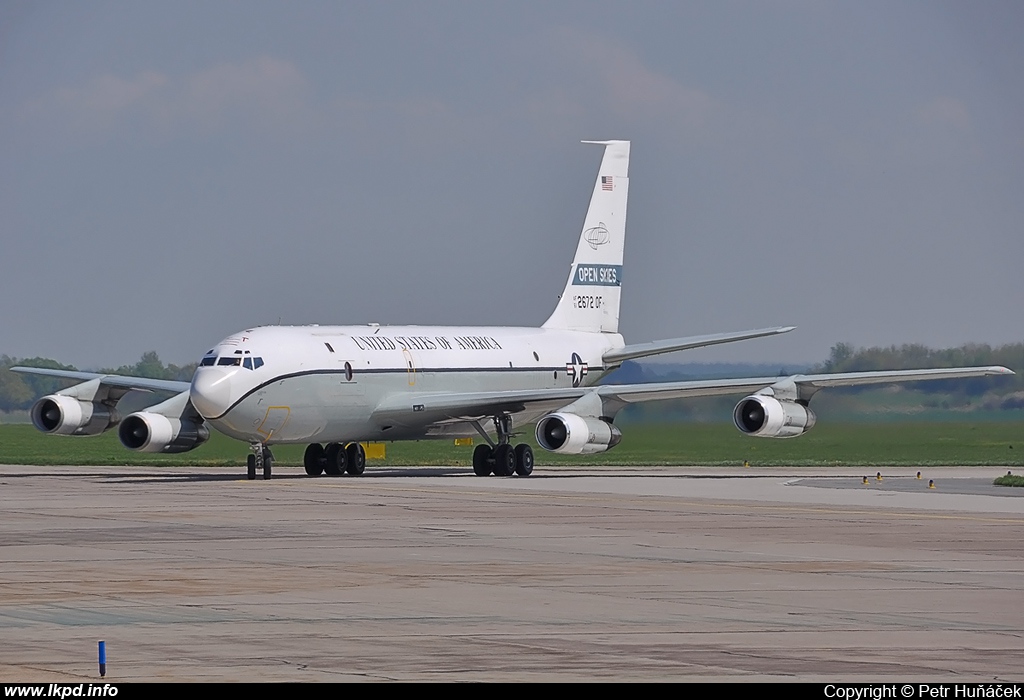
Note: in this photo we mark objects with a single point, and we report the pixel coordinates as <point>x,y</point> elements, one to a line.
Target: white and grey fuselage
<point>303,384</point>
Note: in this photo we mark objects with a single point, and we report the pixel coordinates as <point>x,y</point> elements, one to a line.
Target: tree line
<point>19,391</point>
<point>1000,392</point>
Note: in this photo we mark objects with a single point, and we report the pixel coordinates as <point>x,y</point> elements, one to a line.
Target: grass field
<point>889,444</point>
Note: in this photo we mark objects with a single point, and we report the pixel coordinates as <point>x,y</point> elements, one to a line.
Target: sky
<point>171,173</point>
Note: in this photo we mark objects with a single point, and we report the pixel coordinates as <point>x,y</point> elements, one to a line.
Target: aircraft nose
<point>210,392</point>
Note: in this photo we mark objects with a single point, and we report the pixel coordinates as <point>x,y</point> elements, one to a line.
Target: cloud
<point>614,76</point>
<point>263,91</point>
<point>946,132</point>
<point>269,89</point>
<point>946,112</point>
<point>99,100</point>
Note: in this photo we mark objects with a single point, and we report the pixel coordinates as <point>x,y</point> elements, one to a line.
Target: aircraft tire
<point>337,459</point>
<point>314,459</point>
<point>250,463</point>
<point>268,463</point>
<point>524,460</point>
<point>356,459</point>
<point>504,460</point>
<point>482,456</point>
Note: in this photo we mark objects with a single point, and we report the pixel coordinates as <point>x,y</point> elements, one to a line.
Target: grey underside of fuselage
<point>324,406</point>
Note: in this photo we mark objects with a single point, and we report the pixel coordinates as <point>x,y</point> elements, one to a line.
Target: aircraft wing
<point>427,408</point>
<point>631,352</point>
<point>806,383</point>
<point>116,381</point>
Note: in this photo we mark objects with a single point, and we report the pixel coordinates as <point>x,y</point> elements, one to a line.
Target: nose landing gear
<point>261,460</point>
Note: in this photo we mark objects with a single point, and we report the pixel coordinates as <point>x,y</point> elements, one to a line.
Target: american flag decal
<point>606,183</point>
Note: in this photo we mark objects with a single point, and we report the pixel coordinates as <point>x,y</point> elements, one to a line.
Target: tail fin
<point>590,301</point>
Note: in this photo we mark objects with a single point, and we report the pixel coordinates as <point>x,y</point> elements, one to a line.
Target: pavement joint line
<point>662,501</point>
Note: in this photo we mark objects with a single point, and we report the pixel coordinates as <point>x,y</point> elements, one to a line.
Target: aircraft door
<point>410,366</point>
<point>274,422</point>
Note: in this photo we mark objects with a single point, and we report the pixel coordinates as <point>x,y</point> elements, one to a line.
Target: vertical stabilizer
<point>590,301</point>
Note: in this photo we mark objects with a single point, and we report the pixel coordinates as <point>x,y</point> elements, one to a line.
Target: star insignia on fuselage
<point>576,368</point>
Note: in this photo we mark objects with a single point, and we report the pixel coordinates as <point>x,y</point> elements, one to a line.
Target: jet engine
<point>153,432</point>
<point>766,416</point>
<point>66,415</point>
<point>570,434</point>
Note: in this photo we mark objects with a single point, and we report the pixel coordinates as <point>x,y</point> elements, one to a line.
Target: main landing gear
<point>335,459</point>
<point>261,460</point>
<point>502,459</point>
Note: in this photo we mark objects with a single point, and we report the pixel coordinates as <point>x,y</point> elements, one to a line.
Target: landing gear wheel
<point>337,459</point>
<point>524,460</point>
<point>356,459</point>
<point>504,460</point>
<point>250,463</point>
<point>268,461</point>
<point>482,458</point>
<point>314,459</point>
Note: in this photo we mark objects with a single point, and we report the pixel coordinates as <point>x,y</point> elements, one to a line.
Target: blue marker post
<point>103,659</point>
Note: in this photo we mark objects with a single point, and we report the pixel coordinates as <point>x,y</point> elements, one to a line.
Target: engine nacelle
<point>66,415</point>
<point>153,432</point>
<point>570,434</point>
<point>766,416</point>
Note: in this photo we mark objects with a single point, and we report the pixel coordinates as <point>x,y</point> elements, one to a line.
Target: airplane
<point>334,387</point>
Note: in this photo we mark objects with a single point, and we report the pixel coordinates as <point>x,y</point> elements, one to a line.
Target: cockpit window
<point>248,362</point>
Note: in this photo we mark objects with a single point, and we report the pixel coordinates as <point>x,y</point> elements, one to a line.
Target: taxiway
<point>573,574</point>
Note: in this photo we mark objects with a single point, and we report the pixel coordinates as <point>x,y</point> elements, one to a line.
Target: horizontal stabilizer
<point>657,347</point>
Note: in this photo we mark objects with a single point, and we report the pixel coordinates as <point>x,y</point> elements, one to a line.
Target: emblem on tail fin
<point>598,235</point>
